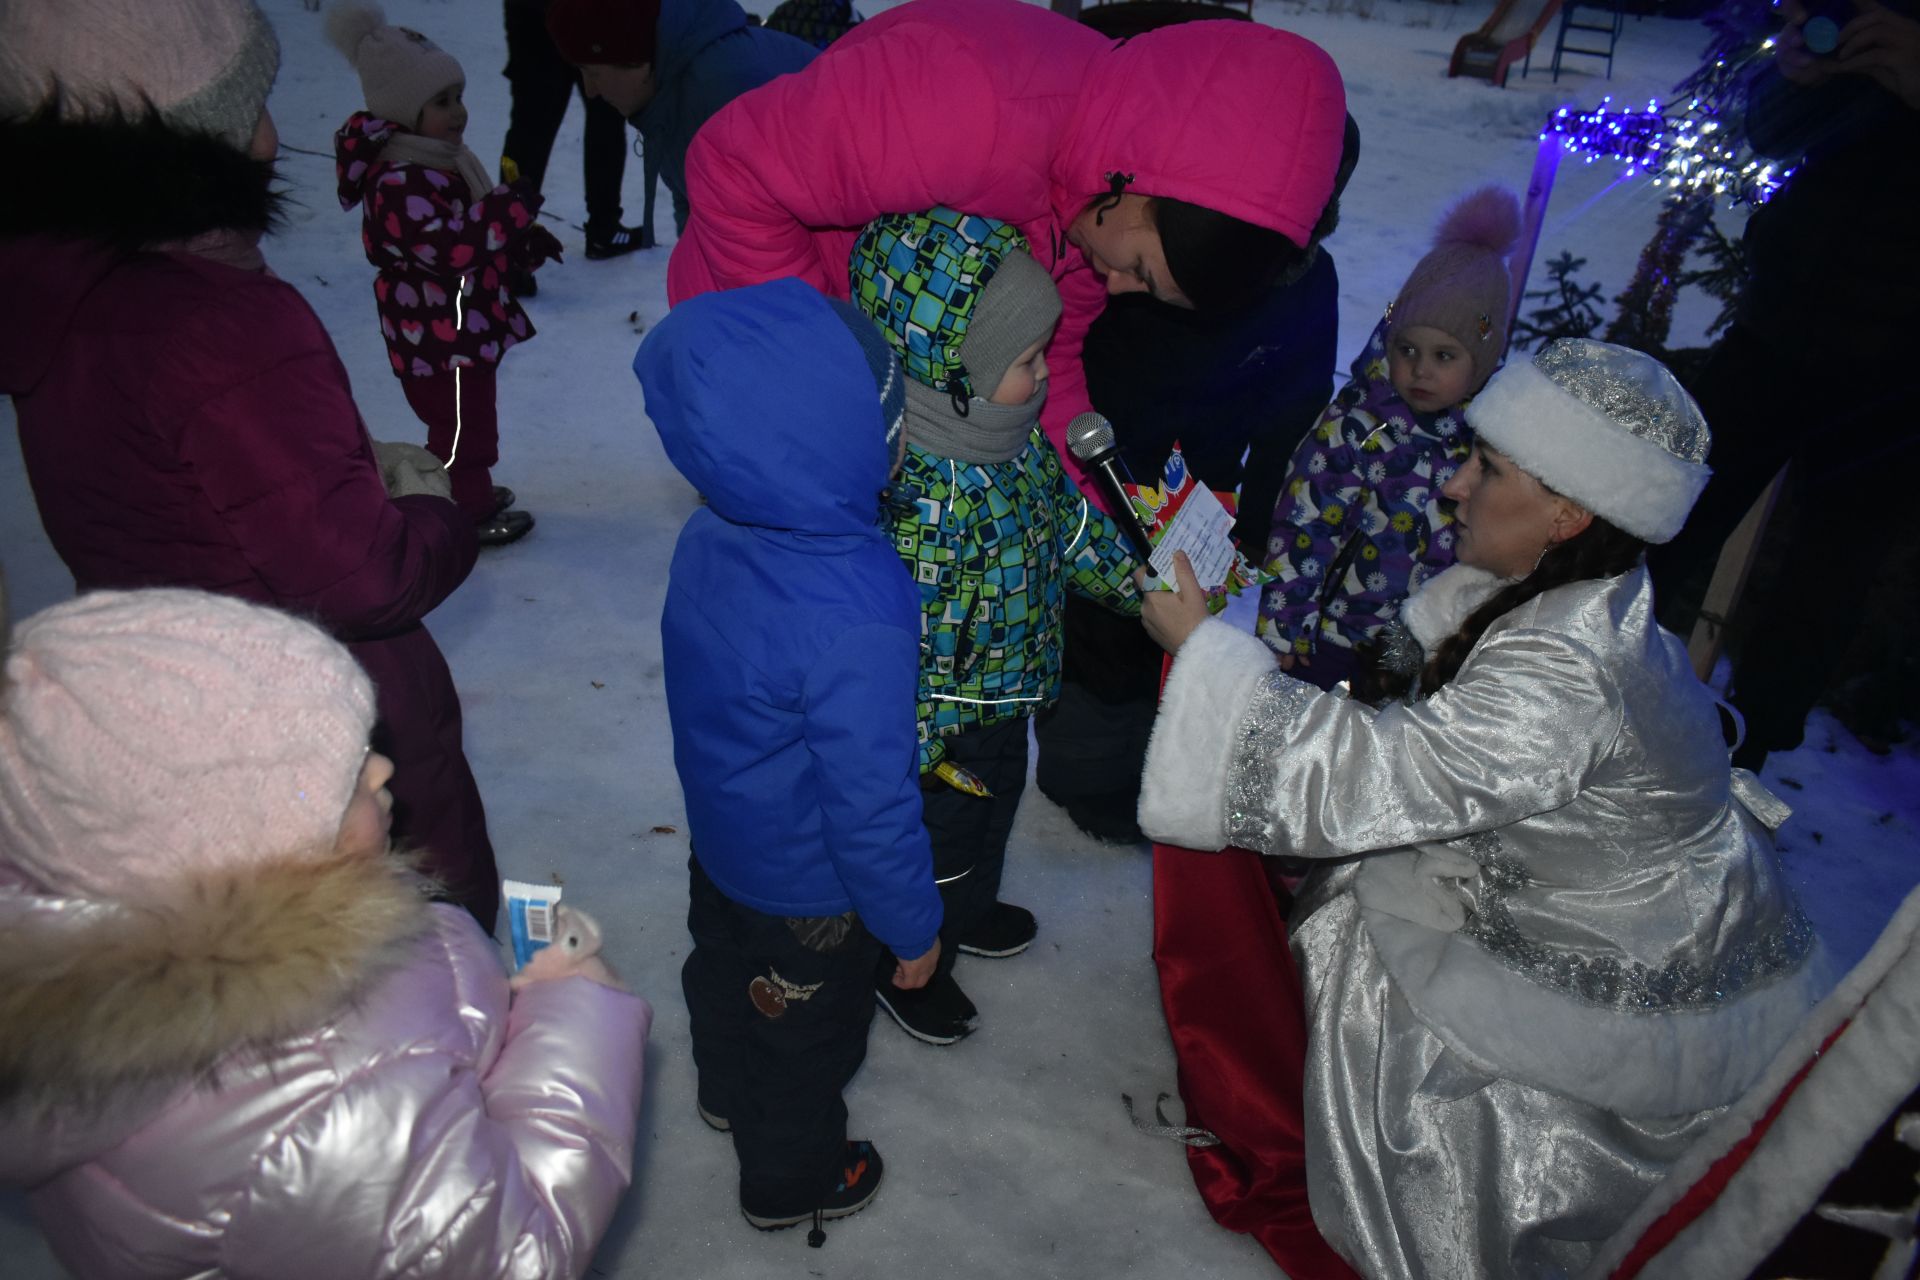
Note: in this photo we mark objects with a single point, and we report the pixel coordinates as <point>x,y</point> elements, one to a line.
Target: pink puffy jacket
<point>1007,110</point>
<point>418,1121</point>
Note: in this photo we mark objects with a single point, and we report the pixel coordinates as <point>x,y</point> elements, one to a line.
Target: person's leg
<point>463,431</point>
<point>1093,741</point>
<point>1760,408</point>
<point>540,84</point>
<point>998,757</point>
<point>811,1001</point>
<point>958,826</point>
<point>714,980</point>
<point>437,810</point>
<point>604,159</point>
<point>1803,619</point>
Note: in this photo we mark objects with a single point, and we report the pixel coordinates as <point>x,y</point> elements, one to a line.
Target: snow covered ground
<point>1009,1154</point>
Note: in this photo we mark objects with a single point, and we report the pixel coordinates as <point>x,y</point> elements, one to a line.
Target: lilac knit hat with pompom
<point>149,735</point>
<point>1462,287</point>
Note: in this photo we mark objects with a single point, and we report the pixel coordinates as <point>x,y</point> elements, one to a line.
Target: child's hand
<point>1288,661</point>
<point>909,974</point>
<point>573,953</point>
<point>540,245</point>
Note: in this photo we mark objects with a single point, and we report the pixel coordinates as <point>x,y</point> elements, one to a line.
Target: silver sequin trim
<point>1632,389</point>
<point>1277,703</point>
<point>1604,980</point>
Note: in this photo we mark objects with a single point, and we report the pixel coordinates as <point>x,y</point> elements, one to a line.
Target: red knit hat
<point>621,33</point>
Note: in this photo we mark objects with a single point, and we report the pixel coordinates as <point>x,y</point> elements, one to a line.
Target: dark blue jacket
<point>791,629</point>
<point>707,57</point>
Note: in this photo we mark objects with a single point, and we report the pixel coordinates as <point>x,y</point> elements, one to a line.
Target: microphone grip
<point>1124,513</point>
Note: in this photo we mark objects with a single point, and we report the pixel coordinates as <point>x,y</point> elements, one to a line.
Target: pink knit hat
<point>203,64</point>
<point>148,734</point>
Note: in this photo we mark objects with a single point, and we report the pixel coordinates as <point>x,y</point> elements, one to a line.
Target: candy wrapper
<point>530,916</point>
<point>1181,514</point>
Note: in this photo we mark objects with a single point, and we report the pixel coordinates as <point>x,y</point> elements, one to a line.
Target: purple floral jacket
<point>443,256</point>
<point>1359,523</point>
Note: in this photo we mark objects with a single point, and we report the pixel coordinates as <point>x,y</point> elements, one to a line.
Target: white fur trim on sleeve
<point>1576,450</point>
<point>1442,603</point>
<point>1183,791</point>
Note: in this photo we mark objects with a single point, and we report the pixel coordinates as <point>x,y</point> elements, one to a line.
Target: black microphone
<point>1090,439</point>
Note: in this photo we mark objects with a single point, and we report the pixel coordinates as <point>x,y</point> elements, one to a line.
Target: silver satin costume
<point>1506,1053</point>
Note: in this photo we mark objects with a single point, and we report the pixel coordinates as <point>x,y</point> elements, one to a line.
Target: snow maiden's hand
<point>1171,616</point>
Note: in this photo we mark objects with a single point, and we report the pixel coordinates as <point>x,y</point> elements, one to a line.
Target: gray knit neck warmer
<point>988,433</point>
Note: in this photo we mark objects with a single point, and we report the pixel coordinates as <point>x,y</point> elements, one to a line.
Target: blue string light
<point>1677,148</point>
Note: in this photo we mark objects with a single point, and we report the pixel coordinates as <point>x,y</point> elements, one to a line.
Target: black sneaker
<point>938,1013</point>
<point>859,1181</point>
<point>521,283</point>
<point>502,527</point>
<point>616,243</point>
<point>502,498</point>
<point>1007,931</point>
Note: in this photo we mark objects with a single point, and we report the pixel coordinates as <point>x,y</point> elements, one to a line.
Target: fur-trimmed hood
<point>102,1001</point>
<point>129,182</point>
<point>124,184</point>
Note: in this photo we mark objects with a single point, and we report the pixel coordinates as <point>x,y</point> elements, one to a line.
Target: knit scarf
<point>411,148</point>
<point>989,433</point>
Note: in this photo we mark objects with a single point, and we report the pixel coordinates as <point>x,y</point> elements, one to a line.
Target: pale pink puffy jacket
<point>1010,111</point>
<point>428,1125</point>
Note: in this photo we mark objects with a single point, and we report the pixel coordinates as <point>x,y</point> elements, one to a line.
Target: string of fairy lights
<point>1687,146</point>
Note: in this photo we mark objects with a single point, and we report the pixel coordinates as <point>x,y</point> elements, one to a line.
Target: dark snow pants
<point>779,1026</point>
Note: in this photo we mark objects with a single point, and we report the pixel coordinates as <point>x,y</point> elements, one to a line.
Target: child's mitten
<point>539,245</point>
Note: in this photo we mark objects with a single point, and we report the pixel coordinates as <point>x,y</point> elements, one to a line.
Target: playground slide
<point>1504,39</point>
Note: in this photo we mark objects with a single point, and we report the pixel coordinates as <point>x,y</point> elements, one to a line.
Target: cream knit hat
<point>148,734</point>
<point>400,69</point>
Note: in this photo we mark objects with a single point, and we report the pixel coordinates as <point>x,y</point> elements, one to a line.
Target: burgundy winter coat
<point>186,423</point>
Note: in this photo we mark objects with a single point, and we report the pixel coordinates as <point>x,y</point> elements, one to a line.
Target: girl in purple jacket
<point>445,239</point>
<point>1359,524</point>
<point>237,1037</point>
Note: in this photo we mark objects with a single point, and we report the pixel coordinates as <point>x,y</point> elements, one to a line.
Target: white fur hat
<point>1607,426</point>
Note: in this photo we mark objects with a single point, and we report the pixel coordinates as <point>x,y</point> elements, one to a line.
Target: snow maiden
<point>1566,945</point>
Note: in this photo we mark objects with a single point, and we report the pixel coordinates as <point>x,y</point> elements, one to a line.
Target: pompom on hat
<point>619,33</point>
<point>149,735</point>
<point>400,69</point>
<point>1607,426</point>
<point>1463,287</point>
<point>204,65</point>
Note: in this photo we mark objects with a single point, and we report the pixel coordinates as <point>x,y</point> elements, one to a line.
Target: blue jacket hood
<point>764,401</point>
<point>688,26</point>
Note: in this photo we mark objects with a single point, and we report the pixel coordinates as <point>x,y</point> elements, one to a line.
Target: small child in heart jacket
<point>443,237</point>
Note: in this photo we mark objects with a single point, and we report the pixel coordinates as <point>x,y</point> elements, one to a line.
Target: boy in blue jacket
<point>791,644</point>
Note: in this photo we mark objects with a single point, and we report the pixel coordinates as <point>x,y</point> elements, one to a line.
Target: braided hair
<point>1601,550</point>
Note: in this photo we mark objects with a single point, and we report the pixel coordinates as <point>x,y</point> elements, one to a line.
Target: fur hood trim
<point>129,181</point>
<point>96,997</point>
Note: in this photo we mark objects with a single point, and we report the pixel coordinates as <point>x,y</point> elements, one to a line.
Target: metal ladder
<point>1570,21</point>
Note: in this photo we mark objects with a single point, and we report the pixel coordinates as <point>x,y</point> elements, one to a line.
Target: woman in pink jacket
<point>237,1038</point>
<point>1191,162</point>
